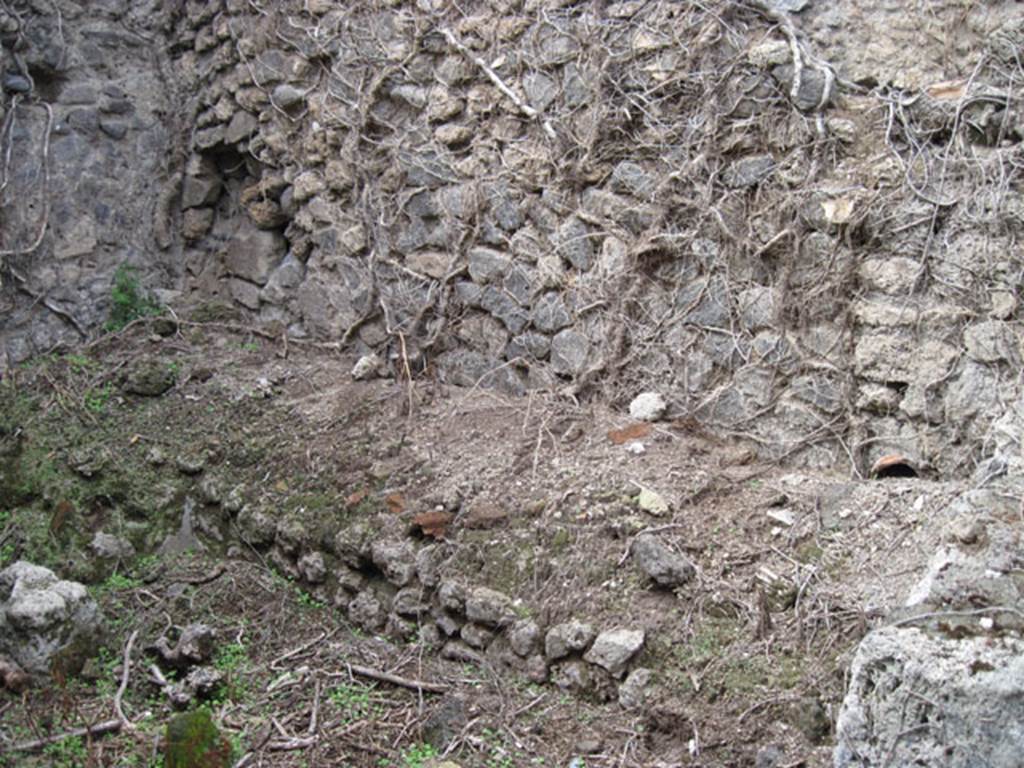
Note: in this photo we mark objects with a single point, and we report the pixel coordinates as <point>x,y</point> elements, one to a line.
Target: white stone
<point>368,367</point>
<point>648,406</point>
<point>652,502</point>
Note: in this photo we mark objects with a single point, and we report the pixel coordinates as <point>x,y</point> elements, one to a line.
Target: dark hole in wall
<point>897,469</point>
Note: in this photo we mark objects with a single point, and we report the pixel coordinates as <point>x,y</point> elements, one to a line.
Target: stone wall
<point>584,197</point>
<point>90,112</point>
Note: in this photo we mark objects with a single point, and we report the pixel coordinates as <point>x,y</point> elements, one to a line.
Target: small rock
<point>368,367</point>
<point>569,352</point>
<point>476,636</point>
<point>190,463</point>
<point>396,559</point>
<point>149,377</point>
<point>399,629</point>
<point>453,134</point>
<point>194,646</point>
<point>447,623</point>
<point>749,171</point>
<point>540,89</point>
<point>349,580</point>
<point>411,602</point>
<point>452,597</point>
<point>812,85</point>
<point>572,676</point>
<point>455,650</point>
<point>574,244</point>
<point>550,314</point>
<point>255,526</point>
<point>352,543</point>
<point>88,461</point>
<point>433,264</point>
<point>312,567</point>
<point>784,516</point>
<point>770,53</point>
<point>446,722</point>
<point>613,649</point>
<point>16,83</point>
<point>524,637</point>
<point>201,190</point>
<point>286,96</point>
<point>428,565</point>
<point>366,611</point>
<point>106,546</point>
<point>536,669</point>
<point>307,185</point>
<point>482,516</point>
<point>489,607</point>
<point>571,637</point>
<point>990,342</point>
<point>13,677</point>
<point>664,566</point>
<point>633,691</point>
<point>966,529</point>
<point>648,406</point>
<point>115,129</point>
<point>430,636</point>
<point>210,489</point>
<point>768,757</point>
<point>200,683</point>
<point>652,502</point>
<point>487,265</point>
<point>1004,304</point>
<point>632,178</point>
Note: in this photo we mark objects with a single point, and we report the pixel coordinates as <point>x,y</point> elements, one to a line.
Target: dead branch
<point>126,664</point>
<point>523,107</point>
<point>401,682</point>
<point>100,729</point>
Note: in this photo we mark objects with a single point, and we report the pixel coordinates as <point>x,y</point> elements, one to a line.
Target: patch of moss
<point>193,741</point>
<point>809,552</point>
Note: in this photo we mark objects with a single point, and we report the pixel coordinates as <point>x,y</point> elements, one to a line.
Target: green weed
<point>128,301</point>
<point>356,702</point>
<point>231,658</point>
<point>80,363</point>
<point>96,398</point>
<point>418,755</point>
<point>233,661</point>
<point>117,582</point>
<point>67,753</point>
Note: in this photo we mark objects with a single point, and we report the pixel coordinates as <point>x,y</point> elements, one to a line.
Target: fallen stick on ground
<point>107,726</point>
<point>125,673</point>
<point>402,682</point>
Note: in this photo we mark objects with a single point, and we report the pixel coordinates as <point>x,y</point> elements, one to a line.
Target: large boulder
<point>45,621</point>
<point>917,698</point>
<point>944,684</point>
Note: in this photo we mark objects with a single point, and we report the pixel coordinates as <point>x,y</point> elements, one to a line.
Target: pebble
<point>16,83</point>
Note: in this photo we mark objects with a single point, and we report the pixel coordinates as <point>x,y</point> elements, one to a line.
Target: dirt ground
<point>748,658</point>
